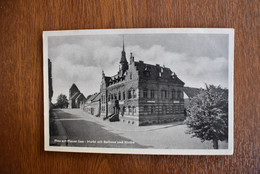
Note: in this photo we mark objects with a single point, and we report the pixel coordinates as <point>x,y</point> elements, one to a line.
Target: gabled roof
<point>191,92</point>
<point>74,87</point>
<point>80,95</point>
<point>93,96</point>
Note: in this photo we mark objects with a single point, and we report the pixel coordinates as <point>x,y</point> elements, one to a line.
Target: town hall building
<point>141,93</point>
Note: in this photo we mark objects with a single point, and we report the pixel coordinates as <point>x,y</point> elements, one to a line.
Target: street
<point>73,130</point>
<point>74,127</point>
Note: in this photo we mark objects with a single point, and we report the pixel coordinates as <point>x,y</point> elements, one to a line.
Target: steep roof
<point>73,86</point>
<point>75,96</point>
<point>92,97</point>
<point>191,92</point>
<point>80,95</point>
<point>156,72</point>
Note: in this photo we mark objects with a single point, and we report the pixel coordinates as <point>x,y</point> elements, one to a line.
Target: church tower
<point>123,62</point>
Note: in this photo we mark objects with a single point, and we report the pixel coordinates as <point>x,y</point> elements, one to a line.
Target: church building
<point>142,93</point>
<point>76,98</point>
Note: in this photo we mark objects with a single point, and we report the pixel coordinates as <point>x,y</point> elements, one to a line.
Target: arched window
<point>119,95</point>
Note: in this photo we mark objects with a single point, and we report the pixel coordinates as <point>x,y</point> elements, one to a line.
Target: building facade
<point>92,104</point>
<point>146,94</point>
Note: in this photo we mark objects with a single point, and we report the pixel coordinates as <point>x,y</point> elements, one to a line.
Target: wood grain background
<point>21,80</point>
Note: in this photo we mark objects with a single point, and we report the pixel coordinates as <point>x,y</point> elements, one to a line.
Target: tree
<point>62,101</point>
<point>208,115</point>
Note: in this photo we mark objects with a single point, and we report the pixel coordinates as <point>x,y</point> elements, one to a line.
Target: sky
<point>195,58</point>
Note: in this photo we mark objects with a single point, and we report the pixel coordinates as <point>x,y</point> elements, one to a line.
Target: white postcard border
<point>228,151</point>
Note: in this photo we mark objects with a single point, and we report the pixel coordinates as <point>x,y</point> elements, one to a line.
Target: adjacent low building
<point>92,104</point>
<point>189,93</point>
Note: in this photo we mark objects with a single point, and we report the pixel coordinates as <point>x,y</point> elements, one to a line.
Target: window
<point>145,110</point>
<point>119,95</point>
<point>152,109</point>
<point>145,93</point>
<point>134,110</point>
<point>129,94</point>
<point>115,96</point>
<point>182,108</point>
<point>129,110</point>
<point>159,110</point>
<point>124,95</point>
<point>163,94</point>
<point>152,93</point>
<point>175,109</point>
<point>134,94</point>
<point>164,110</point>
<point>179,95</point>
<point>131,76</point>
<point>173,94</point>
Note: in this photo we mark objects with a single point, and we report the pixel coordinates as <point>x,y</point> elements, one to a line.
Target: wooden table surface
<point>21,80</point>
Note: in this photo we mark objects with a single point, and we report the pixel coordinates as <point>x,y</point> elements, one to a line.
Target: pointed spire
<point>123,56</point>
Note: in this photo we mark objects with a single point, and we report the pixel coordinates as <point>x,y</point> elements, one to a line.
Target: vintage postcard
<point>139,91</point>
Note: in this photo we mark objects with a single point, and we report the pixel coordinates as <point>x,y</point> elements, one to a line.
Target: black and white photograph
<point>139,91</point>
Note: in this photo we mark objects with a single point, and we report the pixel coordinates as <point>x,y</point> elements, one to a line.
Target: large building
<point>142,94</point>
